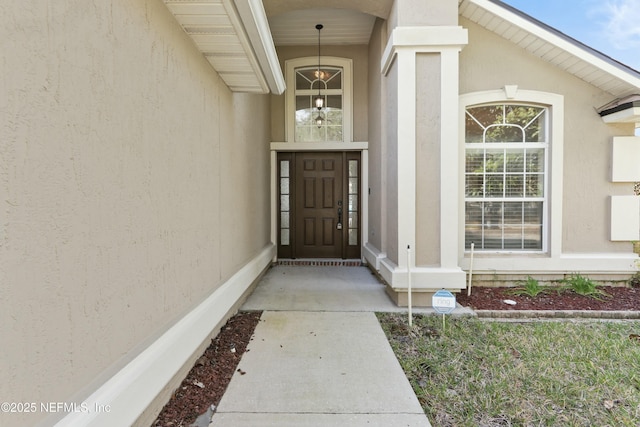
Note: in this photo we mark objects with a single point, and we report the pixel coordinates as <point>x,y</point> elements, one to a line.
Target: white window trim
<point>518,145</point>
<point>347,96</point>
<point>552,222</point>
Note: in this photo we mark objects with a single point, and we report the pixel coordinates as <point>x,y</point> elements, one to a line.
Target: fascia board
<point>243,37</point>
<point>256,27</point>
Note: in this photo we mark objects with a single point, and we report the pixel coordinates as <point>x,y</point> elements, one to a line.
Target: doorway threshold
<point>325,262</point>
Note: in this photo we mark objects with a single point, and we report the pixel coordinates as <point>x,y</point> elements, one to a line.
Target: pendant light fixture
<point>319,100</point>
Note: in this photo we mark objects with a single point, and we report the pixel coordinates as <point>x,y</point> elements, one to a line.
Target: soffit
<point>553,46</point>
<point>217,31</point>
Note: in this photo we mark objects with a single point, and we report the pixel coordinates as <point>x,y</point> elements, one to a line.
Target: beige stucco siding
<point>129,189</point>
<point>428,153</point>
<point>244,167</point>
<point>391,177</point>
<point>407,13</point>
<point>377,158</point>
<point>490,62</point>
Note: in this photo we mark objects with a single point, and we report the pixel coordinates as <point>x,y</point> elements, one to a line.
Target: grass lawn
<point>485,373</point>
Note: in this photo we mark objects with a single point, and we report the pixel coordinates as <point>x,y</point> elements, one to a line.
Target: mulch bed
<point>208,379</point>
<point>484,298</point>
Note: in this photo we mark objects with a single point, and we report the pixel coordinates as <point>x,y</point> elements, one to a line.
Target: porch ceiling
<point>553,46</point>
<point>341,27</point>
<point>379,8</point>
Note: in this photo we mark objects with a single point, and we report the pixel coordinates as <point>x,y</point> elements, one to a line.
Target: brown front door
<point>321,212</point>
<point>319,205</point>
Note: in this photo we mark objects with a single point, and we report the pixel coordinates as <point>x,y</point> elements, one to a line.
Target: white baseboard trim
<point>372,255</point>
<point>612,263</point>
<point>129,392</point>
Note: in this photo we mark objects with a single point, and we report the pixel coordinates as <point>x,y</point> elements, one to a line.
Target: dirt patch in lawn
<point>617,298</point>
<point>208,379</point>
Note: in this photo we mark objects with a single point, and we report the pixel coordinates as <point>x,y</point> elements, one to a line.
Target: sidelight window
<point>285,203</point>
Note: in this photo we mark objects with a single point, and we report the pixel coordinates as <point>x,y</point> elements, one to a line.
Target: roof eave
<point>234,36</point>
<point>623,73</point>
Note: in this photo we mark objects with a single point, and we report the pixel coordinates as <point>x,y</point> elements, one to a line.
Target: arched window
<point>505,185</point>
<point>312,124</point>
<point>332,82</point>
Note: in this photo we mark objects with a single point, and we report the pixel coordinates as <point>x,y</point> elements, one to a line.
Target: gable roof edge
<point>560,40</point>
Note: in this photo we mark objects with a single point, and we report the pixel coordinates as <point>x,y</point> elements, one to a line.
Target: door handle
<point>339,225</point>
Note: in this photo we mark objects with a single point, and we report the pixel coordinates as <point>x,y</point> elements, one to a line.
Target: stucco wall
<point>377,158</point>
<point>131,187</point>
<point>390,114</point>
<point>359,56</point>
<point>428,154</point>
<point>425,12</point>
<point>490,62</point>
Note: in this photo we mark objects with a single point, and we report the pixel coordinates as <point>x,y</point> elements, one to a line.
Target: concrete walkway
<point>319,356</point>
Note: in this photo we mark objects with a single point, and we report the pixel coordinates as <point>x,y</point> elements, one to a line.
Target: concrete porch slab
<point>326,288</point>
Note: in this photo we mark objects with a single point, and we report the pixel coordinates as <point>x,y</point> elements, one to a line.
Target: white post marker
<point>470,270</point>
<point>443,302</point>
<point>409,285</point>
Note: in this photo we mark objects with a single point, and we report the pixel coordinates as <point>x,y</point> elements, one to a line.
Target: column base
<point>425,281</point>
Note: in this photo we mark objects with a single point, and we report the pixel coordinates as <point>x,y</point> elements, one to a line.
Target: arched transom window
<point>312,124</point>
<point>332,82</point>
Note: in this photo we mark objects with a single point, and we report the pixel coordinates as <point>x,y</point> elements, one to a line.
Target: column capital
<point>423,39</point>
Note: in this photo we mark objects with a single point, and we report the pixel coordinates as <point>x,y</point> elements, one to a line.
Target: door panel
<point>309,193</point>
<point>320,175</point>
<point>328,198</point>
<point>309,232</point>
<point>319,195</point>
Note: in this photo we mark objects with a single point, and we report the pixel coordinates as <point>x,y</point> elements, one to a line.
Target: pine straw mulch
<point>208,379</point>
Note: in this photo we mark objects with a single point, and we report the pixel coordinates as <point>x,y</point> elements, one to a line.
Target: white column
<point>449,160</point>
<point>406,167</point>
<point>401,50</point>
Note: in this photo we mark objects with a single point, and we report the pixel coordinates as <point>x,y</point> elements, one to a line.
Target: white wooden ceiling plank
<point>518,36</point>
<point>543,50</point>
<point>502,27</point>
<point>485,18</point>
<point>204,20</point>
<point>555,55</point>
<point>528,40</point>
<point>493,23</point>
<point>184,8</point>
<point>476,13</point>
<point>229,62</point>
<point>578,68</point>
